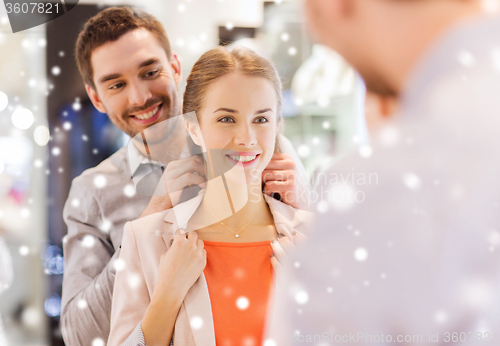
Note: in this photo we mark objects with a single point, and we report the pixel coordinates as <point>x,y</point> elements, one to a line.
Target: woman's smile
<point>245,158</point>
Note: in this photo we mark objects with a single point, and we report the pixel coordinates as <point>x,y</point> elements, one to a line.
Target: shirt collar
<point>136,158</point>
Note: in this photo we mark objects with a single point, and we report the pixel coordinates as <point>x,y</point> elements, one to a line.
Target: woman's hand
<point>281,246</point>
<point>181,265</point>
<point>179,269</point>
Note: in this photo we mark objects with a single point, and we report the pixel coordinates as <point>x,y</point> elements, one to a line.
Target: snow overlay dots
<point>82,304</point>
<point>100,181</point>
<point>134,280</point>
<point>365,151</point>
<point>75,202</point>
<point>24,250</point>
<point>106,225</point>
<point>129,190</point>
<point>329,289</point>
<point>466,58</point>
<point>98,342</point>
<point>119,264</point>
<point>440,317</point>
<point>412,181</point>
<point>56,70</point>
<point>88,241</point>
<point>360,254</point>
<point>292,51</point>
<point>269,342</point>
<point>67,126</point>
<point>56,151</point>
<point>301,297</point>
<point>196,322</point>
<point>242,303</point>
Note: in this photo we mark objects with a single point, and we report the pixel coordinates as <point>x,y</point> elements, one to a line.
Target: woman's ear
<point>195,133</point>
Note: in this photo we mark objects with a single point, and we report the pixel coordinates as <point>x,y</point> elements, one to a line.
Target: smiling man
<point>130,74</point>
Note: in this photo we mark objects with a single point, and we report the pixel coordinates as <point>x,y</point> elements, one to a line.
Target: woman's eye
<point>261,120</point>
<point>226,120</point>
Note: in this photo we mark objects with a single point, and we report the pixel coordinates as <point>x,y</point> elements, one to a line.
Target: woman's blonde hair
<point>218,62</point>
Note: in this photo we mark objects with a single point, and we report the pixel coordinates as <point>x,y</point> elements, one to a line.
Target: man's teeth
<point>147,115</point>
<point>243,158</point>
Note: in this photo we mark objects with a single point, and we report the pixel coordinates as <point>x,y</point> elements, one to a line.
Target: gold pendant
<point>237,235</point>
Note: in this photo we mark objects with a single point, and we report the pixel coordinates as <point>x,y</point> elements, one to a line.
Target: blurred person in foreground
<point>131,74</point>
<point>406,245</point>
<point>6,277</point>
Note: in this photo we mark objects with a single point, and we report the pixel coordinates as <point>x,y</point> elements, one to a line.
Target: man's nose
<point>138,94</point>
<point>245,136</point>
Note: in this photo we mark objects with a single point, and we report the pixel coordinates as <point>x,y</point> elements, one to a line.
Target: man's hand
<point>178,175</point>
<point>280,176</point>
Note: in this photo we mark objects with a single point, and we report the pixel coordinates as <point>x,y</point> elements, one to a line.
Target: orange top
<point>239,278</point>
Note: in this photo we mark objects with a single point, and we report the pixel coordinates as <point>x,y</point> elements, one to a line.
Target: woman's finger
<point>275,263</point>
<point>286,243</point>
<point>278,251</point>
<point>192,236</point>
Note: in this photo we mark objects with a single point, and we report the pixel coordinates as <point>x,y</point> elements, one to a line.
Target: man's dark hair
<point>108,26</point>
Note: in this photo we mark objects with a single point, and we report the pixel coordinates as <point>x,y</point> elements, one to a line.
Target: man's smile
<point>149,115</point>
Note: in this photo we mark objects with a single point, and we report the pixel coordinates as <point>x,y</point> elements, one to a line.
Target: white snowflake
<point>88,241</point>
<point>196,322</point>
<point>292,51</point>
<point>56,70</point>
<point>134,280</point>
<point>301,297</point>
<point>25,213</point>
<point>365,151</point>
<point>61,53</point>
<point>119,264</point>
<point>440,316</point>
<point>82,304</point>
<point>75,202</point>
<point>77,106</point>
<point>242,303</point>
<point>67,125</point>
<point>100,181</point>
<point>303,151</point>
<point>285,37</point>
<point>361,254</point>
<point>56,151</point>
<point>129,190</point>
<point>24,250</point>
<point>466,58</point>
<point>98,342</point>
<point>106,225</point>
<point>412,181</point>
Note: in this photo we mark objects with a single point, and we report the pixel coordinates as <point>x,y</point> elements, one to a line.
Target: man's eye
<point>261,120</point>
<point>116,86</point>
<point>152,73</point>
<point>226,120</point>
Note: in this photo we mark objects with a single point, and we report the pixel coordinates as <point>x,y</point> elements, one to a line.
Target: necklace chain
<point>236,234</point>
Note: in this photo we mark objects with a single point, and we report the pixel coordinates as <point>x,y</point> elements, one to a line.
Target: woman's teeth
<point>243,158</point>
<point>147,115</point>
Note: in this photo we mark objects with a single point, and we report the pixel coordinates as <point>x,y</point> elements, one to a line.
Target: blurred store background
<point>50,132</point>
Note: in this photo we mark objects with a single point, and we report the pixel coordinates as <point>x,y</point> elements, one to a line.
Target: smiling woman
<point>211,280</point>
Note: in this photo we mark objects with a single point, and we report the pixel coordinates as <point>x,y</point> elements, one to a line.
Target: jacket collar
<point>286,218</point>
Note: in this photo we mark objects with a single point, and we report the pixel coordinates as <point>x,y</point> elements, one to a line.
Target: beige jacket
<point>145,240</point>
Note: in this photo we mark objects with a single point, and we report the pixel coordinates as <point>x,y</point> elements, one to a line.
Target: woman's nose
<point>245,136</point>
